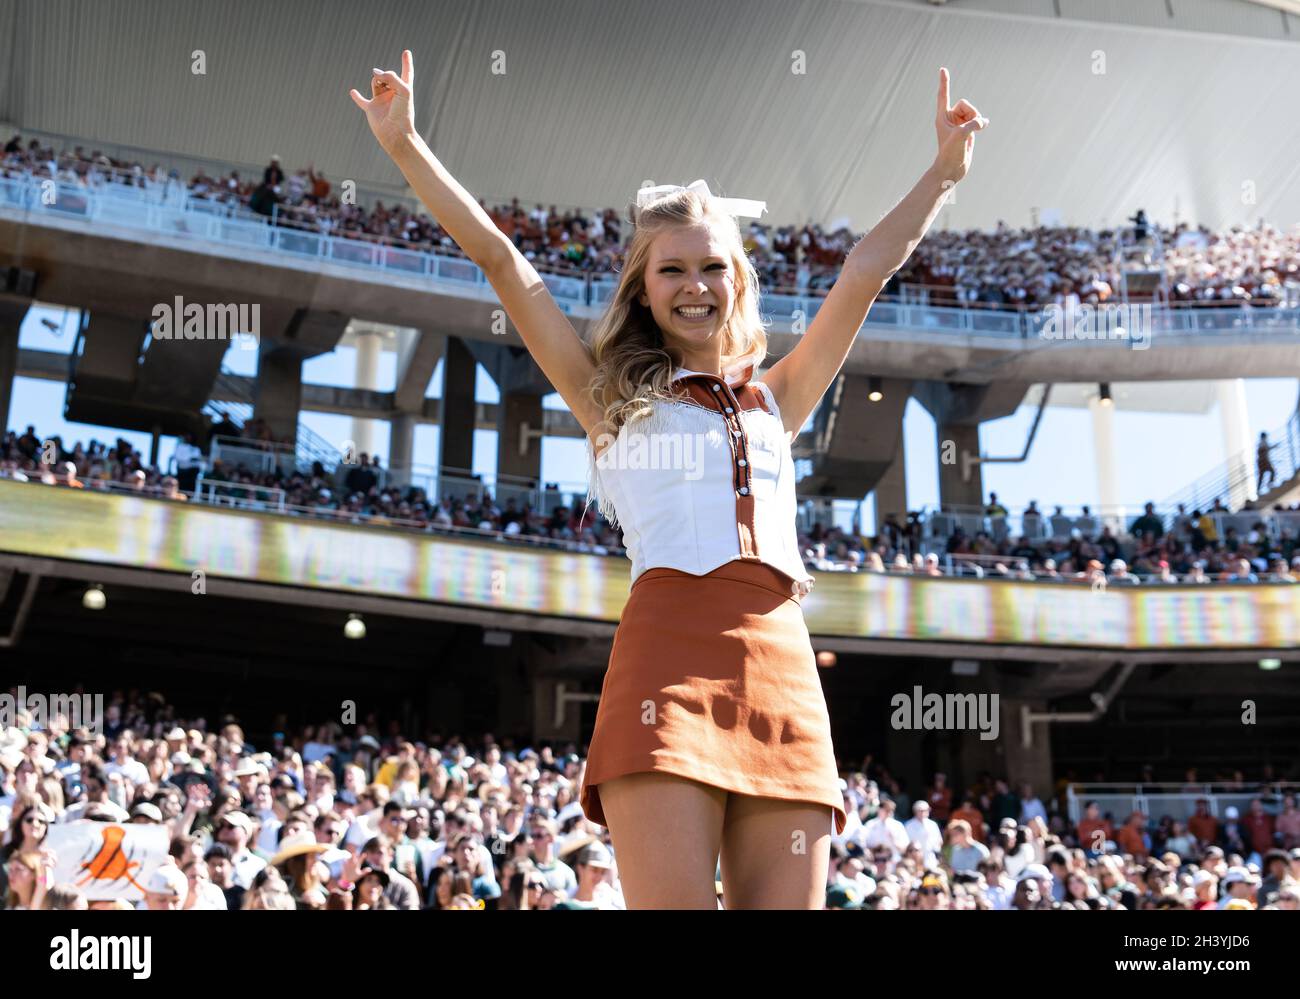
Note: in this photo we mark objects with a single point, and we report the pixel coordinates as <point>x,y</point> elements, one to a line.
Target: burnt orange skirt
<point>713,678</point>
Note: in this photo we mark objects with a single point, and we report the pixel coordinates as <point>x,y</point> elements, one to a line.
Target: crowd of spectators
<point>1003,268</point>
<point>353,494</point>
<point>992,847</point>
<point>363,817</point>
<point>1185,548</point>
<point>1151,549</point>
<point>1050,265</point>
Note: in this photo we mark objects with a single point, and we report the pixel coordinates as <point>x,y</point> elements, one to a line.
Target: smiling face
<point>691,267</point>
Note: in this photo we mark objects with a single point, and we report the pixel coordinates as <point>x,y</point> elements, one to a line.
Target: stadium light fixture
<point>93,598</point>
<point>355,628</point>
<point>1104,394</point>
<point>875,389</point>
<point>1270,664</point>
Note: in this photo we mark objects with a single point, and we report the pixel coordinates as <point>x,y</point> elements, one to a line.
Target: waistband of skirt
<point>739,570</point>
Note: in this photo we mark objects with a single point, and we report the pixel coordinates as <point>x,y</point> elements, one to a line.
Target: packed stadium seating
<point>1005,268</point>
<point>441,821</point>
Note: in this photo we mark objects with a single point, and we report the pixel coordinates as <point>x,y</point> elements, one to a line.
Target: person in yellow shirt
<point>388,771</point>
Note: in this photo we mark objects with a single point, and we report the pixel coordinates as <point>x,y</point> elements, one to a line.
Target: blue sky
<point>1157,453</point>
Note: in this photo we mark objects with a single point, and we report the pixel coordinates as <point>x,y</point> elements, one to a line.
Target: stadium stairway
<point>1236,479</point>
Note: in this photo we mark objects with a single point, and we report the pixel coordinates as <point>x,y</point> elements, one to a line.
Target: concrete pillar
<point>544,691</point>
<point>12,314</point>
<point>955,440</point>
<point>1234,418</point>
<point>1032,763</point>
<point>891,490</point>
<point>1103,446</point>
<point>519,413</point>
<point>457,408</point>
<point>368,346</point>
<point>401,448</point>
<point>277,394</point>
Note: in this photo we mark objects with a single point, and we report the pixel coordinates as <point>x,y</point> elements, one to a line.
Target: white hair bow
<point>732,206</point>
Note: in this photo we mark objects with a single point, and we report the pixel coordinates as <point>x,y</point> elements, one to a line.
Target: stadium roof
<point>823,108</point>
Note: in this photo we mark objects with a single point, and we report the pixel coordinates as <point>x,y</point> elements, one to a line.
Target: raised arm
<point>545,330</point>
<point>801,378</point>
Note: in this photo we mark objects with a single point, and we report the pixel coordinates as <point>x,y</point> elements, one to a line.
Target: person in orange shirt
<point>1092,823</point>
<point>973,817</point>
<point>1132,837</point>
<point>1203,825</point>
<point>940,798</point>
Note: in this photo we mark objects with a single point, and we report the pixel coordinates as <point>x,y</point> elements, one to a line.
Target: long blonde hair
<point>634,368</point>
<point>633,365</point>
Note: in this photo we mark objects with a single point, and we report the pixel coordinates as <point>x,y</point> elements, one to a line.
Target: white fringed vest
<point>700,482</point>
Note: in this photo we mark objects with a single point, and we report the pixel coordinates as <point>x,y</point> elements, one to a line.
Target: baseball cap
<point>239,819</point>
<point>595,855</point>
<point>168,879</point>
<point>148,810</point>
<point>1035,871</point>
<point>1238,875</point>
<point>1231,812</point>
<point>843,897</point>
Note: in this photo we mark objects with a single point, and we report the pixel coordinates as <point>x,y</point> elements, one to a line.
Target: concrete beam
<point>119,269</point>
<point>512,368</point>
<point>416,362</point>
<point>855,439</point>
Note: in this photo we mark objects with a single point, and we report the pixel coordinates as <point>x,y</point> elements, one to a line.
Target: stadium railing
<point>264,457</point>
<point>171,210</point>
<point>245,495</point>
<point>939,525</point>
<point>1178,801</point>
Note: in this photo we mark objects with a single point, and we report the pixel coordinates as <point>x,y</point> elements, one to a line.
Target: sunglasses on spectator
<point>929,891</point>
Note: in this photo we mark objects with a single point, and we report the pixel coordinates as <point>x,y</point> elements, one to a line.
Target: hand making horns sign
<point>956,126</point>
<point>389,110</point>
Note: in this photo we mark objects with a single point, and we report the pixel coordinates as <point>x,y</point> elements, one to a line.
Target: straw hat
<point>296,845</point>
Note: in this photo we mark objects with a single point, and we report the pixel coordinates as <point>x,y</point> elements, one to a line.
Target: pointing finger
<point>943,90</point>
<point>408,67</point>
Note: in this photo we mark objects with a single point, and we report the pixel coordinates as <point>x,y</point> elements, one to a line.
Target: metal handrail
<point>1238,475</point>
<point>1138,796</point>
<point>209,488</point>
<point>232,226</point>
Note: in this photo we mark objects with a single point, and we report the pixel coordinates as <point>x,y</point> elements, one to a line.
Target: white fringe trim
<point>664,418</point>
